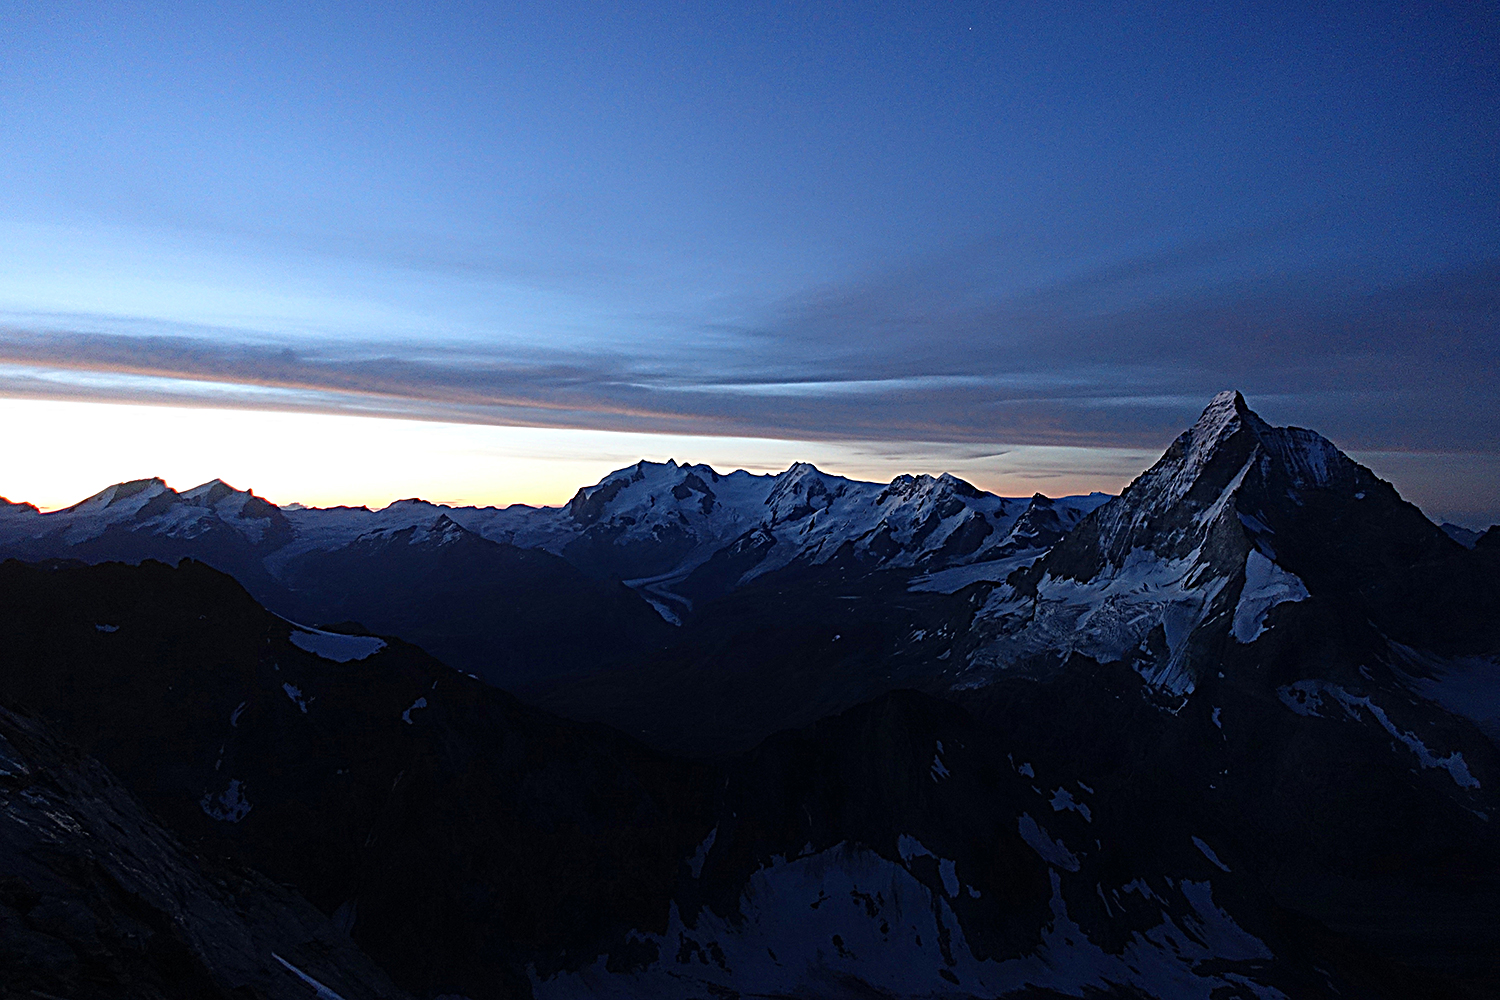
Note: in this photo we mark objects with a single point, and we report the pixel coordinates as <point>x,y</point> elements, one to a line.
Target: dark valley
<point>1229,734</point>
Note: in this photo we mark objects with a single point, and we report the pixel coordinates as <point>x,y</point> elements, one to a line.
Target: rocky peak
<point>1172,508</point>
<point>802,490</point>
<point>442,530</point>
<point>1225,431</point>
<point>1236,517</point>
<point>1161,511</point>
<point>210,493</point>
<point>946,485</point>
<point>962,487</point>
<point>589,502</point>
<point>141,490</point>
<point>439,531</point>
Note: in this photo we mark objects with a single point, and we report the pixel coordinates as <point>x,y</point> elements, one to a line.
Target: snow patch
<point>701,854</point>
<point>334,645</point>
<point>909,847</point>
<point>1051,851</point>
<point>406,715</point>
<point>1209,854</point>
<point>295,693</point>
<point>1266,585</point>
<point>939,771</point>
<point>1106,617</point>
<point>1063,799</point>
<point>230,805</point>
<point>319,990</point>
<point>1306,698</point>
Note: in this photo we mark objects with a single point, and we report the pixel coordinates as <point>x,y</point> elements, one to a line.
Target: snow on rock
<point>939,771</point>
<point>442,531</point>
<point>1104,618</point>
<point>151,506</point>
<point>335,646</point>
<point>956,578</point>
<point>1209,854</point>
<point>652,523</point>
<point>295,693</point>
<point>701,854</point>
<point>1266,585</point>
<point>694,512</point>
<point>319,990</point>
<point>848,921</point>
<point>230,805</point>
<point>1306,698</point>
<point>1051,851</point>
<point>406,715</point>
<point>1063,799</point>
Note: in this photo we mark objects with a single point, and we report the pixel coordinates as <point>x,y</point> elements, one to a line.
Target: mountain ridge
<point>1236,518</point>
<point>1230,733</point>
<point>650,524</point>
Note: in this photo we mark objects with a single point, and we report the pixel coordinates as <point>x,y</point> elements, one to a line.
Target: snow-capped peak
<point>1206,530</point>
<point>802,490</point>
<point>210,493</point>
<point>136,493</point>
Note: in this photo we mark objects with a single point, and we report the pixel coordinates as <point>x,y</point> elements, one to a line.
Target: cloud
<point>1122,356</point>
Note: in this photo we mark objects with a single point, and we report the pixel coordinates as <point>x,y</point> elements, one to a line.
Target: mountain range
<point>1232,733</point>
<point>652,536</point>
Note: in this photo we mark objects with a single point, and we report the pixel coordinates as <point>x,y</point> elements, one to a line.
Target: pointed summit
<point>1228,401</point>
<point>210,493</point>
<point>1234,511</point>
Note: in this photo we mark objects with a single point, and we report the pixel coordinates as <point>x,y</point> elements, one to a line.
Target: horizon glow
<point>324,460</point>
<point>882,239</point>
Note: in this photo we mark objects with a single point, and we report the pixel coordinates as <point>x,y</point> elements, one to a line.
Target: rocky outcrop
<point>1236,519</point>
<point>99,901</point>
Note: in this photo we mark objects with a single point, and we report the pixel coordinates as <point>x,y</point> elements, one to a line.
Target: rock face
<point>1236,519</point>
<point>459,836</point>
<point>1064,834</point>
<point>98,901</point>
<point>1233,734</point>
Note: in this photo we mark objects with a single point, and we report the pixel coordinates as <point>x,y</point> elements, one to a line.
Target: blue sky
<point>935,232</point>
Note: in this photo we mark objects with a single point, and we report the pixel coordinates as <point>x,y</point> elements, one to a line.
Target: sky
<point>350,253</point>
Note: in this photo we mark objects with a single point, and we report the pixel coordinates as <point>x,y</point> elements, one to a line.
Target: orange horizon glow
<point>70,450</point>
<point>62,451</point>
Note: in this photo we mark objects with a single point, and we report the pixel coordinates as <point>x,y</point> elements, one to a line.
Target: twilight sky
<point>487,252</point>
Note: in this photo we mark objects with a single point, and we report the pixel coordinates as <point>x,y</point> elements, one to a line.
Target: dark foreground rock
<point>99,901</point>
